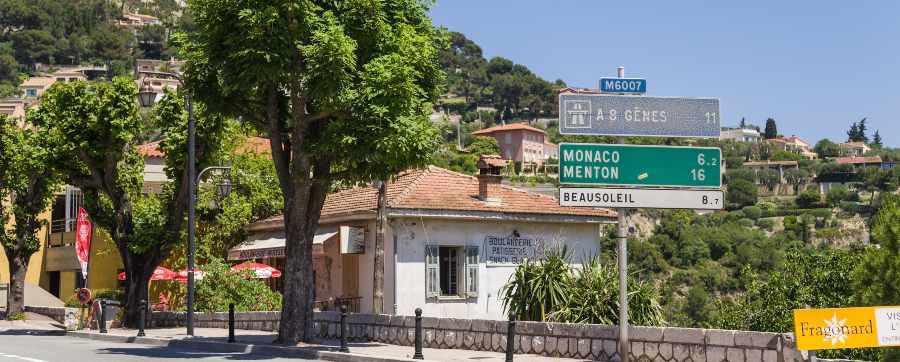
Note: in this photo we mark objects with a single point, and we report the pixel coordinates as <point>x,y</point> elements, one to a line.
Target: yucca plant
<point>594,298</point>
<point>535,289</point>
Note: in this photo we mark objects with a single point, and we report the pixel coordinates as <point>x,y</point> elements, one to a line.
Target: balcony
<point>60,247</point>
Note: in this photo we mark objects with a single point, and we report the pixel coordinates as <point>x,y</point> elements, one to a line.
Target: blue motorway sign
<point>623,85</point>
<point>622,115</point>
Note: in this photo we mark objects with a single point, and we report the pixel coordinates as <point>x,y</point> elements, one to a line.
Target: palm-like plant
<point>538,288</point>
<point>551,290</point>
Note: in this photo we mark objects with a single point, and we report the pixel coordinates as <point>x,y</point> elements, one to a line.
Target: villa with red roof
<point>518,142</point>
<point>451,242</point>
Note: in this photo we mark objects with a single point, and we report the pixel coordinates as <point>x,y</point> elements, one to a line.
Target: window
<point>451,271</point>
<point>31,92</point>
<point>508,138</point>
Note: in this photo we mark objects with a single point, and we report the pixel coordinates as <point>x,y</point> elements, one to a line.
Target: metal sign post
<point>622,259</point>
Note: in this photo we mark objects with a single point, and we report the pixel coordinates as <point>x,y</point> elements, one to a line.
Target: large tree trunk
<point>301,220</point>
<point>15,297</point>
<point>378,285</point>
<point>138,269</point>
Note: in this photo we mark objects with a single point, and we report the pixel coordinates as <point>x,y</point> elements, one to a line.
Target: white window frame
<point>467,273</point>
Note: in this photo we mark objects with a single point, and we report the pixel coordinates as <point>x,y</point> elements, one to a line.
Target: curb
<point>33,332</point>
<point>255,349</point>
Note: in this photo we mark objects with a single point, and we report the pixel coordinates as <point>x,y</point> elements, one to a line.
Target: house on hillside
<point>794,144</point>
<point>778,166</point>
<point>740,135</point>
<point>859,163</point>
<point>518,142</point>
<point>854,149</point>
<point>451,242</point>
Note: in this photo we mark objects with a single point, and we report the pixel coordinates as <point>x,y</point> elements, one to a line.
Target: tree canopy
<point>342,89</point>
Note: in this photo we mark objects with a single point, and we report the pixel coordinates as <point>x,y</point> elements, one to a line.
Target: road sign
<point>637,165</point>
<point>642,198</point>
<point>833,328</point>
<point>620,115</point>
<point>623,85</point>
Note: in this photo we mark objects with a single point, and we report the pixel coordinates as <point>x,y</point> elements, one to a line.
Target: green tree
<point>29,174</point>
<point>861,132</point>
<point>876,139</point>
<point>836,195</point>
<point>827,149</point>
<point>808,199</point>
<point>741,193</point>
<point>853,132</point>
<point>99,125</point>
<point>880,269</point>
<point>9,71</point>
<point>484,146</point>
<point>341,89</point>
<point>771,129</point>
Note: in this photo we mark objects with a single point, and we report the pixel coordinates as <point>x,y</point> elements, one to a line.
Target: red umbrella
<point>183,275</point>
<point>160,273</point>
<point>260,271</point>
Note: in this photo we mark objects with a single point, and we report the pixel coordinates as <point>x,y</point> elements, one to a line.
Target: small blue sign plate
<point>623,85</point>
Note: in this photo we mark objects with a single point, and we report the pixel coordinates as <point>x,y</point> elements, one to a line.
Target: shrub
<point>766,224</point>
<point>741,193</point>
<point>18,316</point>
<point>752,212</point>
<point>747,223</point>
<point>839,194</point>
<point>767,205</point>
<point>808,199</point>
<point>221,286</point>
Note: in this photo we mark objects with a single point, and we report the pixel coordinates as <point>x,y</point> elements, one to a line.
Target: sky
<point>814,66</point>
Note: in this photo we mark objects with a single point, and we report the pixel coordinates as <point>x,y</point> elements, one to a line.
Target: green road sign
<point>636,165</point>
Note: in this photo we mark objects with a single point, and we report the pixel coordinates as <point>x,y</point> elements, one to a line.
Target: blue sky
<point>815,66</point>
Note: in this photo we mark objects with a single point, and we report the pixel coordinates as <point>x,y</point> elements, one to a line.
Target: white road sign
<point>642,198</point>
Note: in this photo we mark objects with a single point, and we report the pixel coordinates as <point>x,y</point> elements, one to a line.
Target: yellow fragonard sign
<point>834,328</point>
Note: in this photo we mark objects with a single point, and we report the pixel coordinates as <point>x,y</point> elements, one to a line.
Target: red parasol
<point>161,273</point>
<point>260,271</point>
<point>183,275</point>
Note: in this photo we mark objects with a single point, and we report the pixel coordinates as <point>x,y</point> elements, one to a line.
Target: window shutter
<point>432,271</point>
<point>472,271</point>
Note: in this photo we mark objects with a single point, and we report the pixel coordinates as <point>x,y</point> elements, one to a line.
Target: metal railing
<point>335,304</point>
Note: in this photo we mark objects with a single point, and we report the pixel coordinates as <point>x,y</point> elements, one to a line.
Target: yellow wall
<point>35,265</point>
<point>104,265</point>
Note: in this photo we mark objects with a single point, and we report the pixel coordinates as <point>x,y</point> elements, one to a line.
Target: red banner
<point>83,233</point>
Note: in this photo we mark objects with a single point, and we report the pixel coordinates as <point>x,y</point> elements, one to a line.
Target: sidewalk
<point>259,342</point>
<point>33,324</point>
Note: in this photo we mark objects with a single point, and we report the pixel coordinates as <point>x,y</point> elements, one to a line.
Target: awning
<point>271,245</point>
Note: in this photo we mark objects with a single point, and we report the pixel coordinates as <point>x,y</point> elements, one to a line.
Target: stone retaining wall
<point>586,341</point>
<point>66,316</point>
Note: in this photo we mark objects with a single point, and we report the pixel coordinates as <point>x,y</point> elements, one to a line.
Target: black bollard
<point>141,318</point>
<point>344,333</point>
<point>231,323</point>
<point>418,342</point>
<point>510,337</point>
<point>102,316</point>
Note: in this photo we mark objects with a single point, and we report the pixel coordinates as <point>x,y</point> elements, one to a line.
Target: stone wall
<point>66,316</point>
<point>585,341</point>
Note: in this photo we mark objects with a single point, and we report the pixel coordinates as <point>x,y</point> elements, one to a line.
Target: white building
<point>451,242</point>
<point>740,135</point>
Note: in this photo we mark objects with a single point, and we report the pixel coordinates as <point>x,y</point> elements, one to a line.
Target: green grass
<point>16,317</point>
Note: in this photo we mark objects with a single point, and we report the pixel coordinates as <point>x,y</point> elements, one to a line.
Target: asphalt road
<point>15,347</point>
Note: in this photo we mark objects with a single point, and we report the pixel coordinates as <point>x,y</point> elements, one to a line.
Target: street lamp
<point>147,97</point>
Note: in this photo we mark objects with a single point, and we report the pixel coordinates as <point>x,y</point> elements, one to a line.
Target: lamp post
<point>147,97</point>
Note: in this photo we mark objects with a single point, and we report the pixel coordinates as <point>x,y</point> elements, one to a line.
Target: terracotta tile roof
<point>508,127</point>
<point>254,144</point>
<point>435,188</point>
<point>858,160</point>
<point>492,160</point>
<point>767,163</point>
<point>579,90</point>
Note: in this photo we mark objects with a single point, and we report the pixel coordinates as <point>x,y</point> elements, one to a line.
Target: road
<point>15,347</point>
